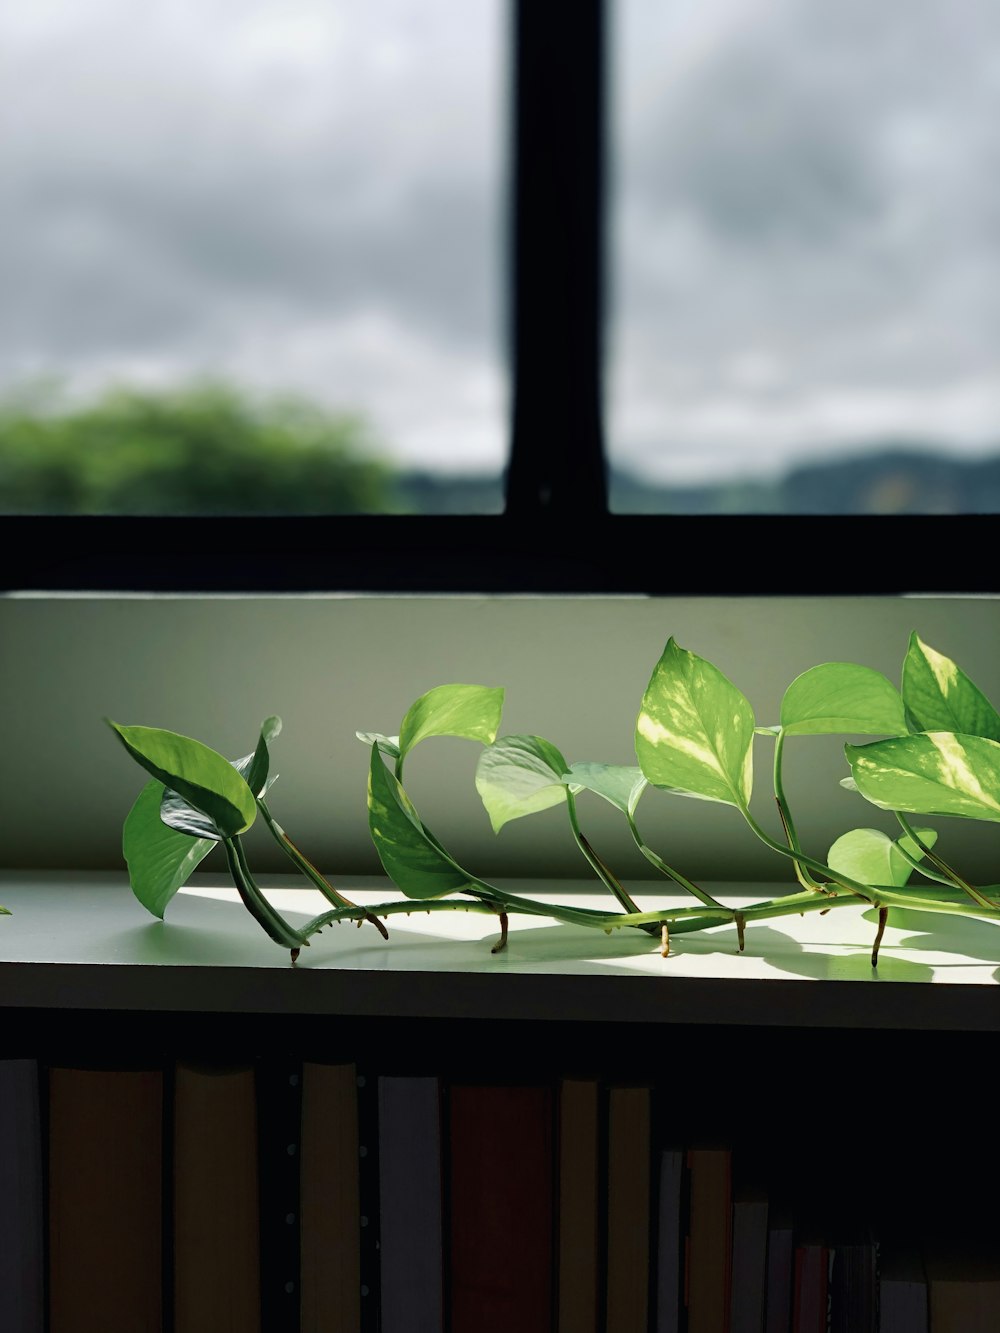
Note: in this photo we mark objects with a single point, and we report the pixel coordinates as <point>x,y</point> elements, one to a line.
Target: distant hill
<point>890,479</point>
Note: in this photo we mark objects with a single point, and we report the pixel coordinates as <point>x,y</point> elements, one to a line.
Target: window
<point>556,532</point>
<point>804,261</point>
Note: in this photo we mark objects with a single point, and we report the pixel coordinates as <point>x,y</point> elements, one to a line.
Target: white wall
<point>574,669</point>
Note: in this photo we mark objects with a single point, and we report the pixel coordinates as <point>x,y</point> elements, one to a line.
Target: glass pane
<point>806,256</point>
<point>251,256</point>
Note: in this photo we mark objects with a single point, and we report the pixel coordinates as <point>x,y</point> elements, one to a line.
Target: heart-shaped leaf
<point>160,860</point>
<point>939,696</point>
<point>930,773</point>
<point>839,697</point>
<point>411,855</point>
<point>695,730</point>
<point>519,775</point>
<point>199,774</point>
<point>181,815</point>
<point>620,785</point>
<point>472,711</point>
<point>389,745</point>
<point>871,857</point>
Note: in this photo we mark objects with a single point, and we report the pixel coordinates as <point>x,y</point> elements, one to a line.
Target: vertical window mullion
<point>557,464</point>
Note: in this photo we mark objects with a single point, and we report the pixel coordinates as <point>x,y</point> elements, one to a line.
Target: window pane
<point>806,268</point>
<point>251,255</point>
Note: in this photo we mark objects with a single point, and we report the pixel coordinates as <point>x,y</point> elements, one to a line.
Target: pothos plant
<point>939,755</point>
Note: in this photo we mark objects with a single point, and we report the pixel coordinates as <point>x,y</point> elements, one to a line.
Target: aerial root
<point>502,941</point>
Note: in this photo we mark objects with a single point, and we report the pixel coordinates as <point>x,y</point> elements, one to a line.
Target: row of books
<point>311,1196</point>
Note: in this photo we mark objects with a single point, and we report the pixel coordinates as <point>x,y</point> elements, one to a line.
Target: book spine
<point>500,1209</point>
<point>105,1225</point>
<point>628,1209</point>
<point>578,1206</point>
<point>410,1205</point>
<point>22,1241</point>
<point>330,1208</point>
<point>216,1217</point>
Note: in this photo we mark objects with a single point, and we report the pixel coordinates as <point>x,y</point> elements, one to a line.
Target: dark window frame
<point>556,534</point>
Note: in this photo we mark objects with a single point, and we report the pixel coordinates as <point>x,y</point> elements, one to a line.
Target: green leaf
<point>186,818</point>
<point>411,855</point>
<point>842,697</point>
<point>160,860</point>
<point>939,696</point>
<point>620,785</point>
<point>930,773</point>
<point>871,857</point>
<point>199,774</point>
<point>519,775</point>
<point>255,774</point>
<point>389,745</point>
<point>695,730</point>
<point>472,711</point>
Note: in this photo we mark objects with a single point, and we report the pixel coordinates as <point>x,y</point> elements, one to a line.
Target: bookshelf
<point>848,1086</point>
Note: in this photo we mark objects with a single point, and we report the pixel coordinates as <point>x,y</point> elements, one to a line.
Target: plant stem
<point>947,875</point>
<point>852,885</point>
<point>302,863</point>
<point>255,902</point>
<point>786,815</point>
<point>679,921</point>
<point>658,862</point>
<point>603,873</point>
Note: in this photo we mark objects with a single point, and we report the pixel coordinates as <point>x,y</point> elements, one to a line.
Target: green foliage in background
<point>206,448</point>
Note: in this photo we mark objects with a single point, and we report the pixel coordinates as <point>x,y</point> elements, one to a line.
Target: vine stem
<point>255,902</point>
<point>947,874</point>
<point>784,810</point>
<point>603,872</point>
<point>658,862</point>
<point>302,863</point>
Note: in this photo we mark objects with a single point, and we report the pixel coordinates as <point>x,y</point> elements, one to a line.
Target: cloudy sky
<point>309,194</point>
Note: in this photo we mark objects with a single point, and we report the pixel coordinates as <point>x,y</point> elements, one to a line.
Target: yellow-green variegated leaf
<point>389,745</point>
<point>620,785</point>
<point>413,858</point>
<point>695,730</point>
<point>939,696</point>
<point>930,773</point>
<point>520,775</point>
<point>871,857</point>
<point>471,711</point>
<point>842,697</point>
<point>201,775</point>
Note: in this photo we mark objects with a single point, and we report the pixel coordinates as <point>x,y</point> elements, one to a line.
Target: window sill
<point>81,942</point>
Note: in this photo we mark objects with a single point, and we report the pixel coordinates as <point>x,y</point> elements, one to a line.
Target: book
<point>749,1259</point>
<point>902,1288</point>
<point>963,1289</point>
<point>578,1206</point>
<point>628,1216</point>
<point>780,1269</point>
<point>500,1208</point>
<point>216,1223</point>
<point>853,1296</point>
<point>709,1238</point>
<point>22,1241</point>
<point>810,1287</point>
<point>670,1238</point>
<point>105,1199</point>
<point>329,1204</point>
<point>410,1205</point>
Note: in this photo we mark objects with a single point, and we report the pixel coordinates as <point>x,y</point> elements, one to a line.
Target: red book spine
<point>500,1209</point>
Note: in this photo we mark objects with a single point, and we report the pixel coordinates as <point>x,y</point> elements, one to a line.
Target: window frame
<point>555,534</point>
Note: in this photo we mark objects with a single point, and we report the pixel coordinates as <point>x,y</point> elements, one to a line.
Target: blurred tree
<point>206,448</point>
